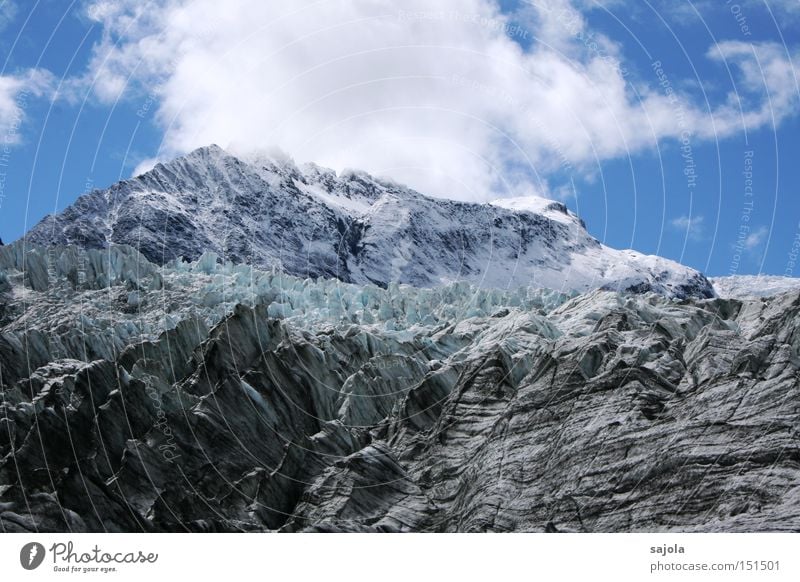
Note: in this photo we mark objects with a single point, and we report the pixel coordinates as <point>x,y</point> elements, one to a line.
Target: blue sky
<point>557,98</point>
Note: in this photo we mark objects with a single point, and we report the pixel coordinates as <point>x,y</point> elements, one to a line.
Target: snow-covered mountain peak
<point>537,205</point>
<point>265,210</point>
<point>530,203</point>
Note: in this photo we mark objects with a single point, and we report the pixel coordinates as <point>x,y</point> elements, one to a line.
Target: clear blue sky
<point>699,208</point>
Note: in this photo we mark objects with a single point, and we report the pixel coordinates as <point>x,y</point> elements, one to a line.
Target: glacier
<point>751,286</point>
<point>216,394</point>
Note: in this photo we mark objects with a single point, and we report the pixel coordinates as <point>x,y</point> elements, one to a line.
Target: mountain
<point>217,397</point>
<point>308,222</point>
<point>227,344</point>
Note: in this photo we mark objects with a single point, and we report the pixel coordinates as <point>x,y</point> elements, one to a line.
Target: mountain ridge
<point>310,222</point>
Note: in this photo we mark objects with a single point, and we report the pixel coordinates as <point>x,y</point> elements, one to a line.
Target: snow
<point>750,286</point>
<point>537,205</point>
<point>354,207</point>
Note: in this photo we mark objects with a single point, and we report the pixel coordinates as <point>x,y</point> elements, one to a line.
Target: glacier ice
<point>216,396</point>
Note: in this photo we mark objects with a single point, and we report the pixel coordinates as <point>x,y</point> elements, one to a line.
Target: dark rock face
<point>309,222</point>
<point>362,409</point>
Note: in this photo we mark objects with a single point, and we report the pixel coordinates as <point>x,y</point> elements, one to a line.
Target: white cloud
<point>690,226</point>
<point>745,13</point>
<point>8,11</point>
<point>16,91</point>
<point>756,238</point>
<point>143,166</point>
<point>439,96</point>
<point>767,87</point>
<point>782,7</point>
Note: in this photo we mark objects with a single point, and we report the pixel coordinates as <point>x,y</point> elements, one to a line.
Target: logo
<point>31,555</point>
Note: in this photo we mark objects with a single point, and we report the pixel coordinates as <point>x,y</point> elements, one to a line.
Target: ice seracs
<point>211,396</point>
<point>749,286</point>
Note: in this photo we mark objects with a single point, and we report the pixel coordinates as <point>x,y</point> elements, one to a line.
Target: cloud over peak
<point>458,99</point>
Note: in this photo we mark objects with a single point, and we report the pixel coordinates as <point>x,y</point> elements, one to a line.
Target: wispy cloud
<point>756,238</point>
<point>690,226</point>
<point>768,78</point>
<point>16,92</point>
<point>745,12</point>
<point>781,7</point>
<point>8,11</point>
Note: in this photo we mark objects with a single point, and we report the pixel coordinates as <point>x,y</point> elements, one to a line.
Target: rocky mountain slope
<point>309,222</point>
<point>209,397</point>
